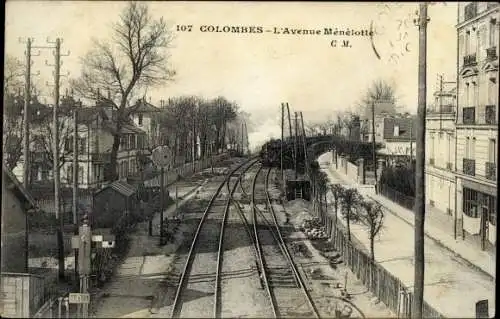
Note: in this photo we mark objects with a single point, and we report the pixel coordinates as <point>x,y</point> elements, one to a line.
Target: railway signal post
<point>162,156</point>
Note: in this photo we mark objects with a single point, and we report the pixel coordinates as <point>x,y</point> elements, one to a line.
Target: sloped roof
<point>123,188</point>
<point>141,106</point>
<point>19,190</point>
<point>379,108</point>
<point>407,128</point>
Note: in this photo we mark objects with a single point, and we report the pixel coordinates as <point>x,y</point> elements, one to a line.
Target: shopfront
<point>479,203</point>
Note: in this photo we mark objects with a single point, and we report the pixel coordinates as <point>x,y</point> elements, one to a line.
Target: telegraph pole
<point>57,77</point>
<point>281,144</point>
<point>242,139</point>
<point>162,189</point>
<point>419,208</point>
<point>374,155</point>
<point>303,133</point>
<point>295,145</point>
<point>26,131</point>
<point>290,128</point>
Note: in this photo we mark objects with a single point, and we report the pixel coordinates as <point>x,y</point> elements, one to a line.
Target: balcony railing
<point>470,59</point>
<point>469,115</point>
<point>470,11</point>
<point>449,166</point>
<point>101,157</point>
<point>491,53</point>
<point>490,116</point>
<point>431,161</point>
<point>444,109</point>
<point>491,171</point>
<point>469,167</point>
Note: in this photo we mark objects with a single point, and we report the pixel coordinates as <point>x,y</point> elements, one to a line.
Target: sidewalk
<point>438,227</point>
<point>452,286</point>
<point>139,278</point>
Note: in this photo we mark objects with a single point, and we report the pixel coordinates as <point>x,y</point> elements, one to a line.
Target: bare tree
<point>12,129</point>
<point>373,217</point>
<point>350,200</point>
<point>13,70</point>
<point>379,91</point>
<point>337,191</point>
<point>134,59</point>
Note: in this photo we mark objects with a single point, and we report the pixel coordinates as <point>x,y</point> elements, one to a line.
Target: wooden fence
<point>85,196</point>
<point>388,288</point>
<point>22,294</point>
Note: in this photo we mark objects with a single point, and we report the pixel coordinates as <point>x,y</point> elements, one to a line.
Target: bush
<point>400,178</point>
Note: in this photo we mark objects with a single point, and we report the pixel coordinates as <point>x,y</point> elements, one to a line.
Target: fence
<point>389,289</point>
<point>397,197</point>
<point>22,294</point>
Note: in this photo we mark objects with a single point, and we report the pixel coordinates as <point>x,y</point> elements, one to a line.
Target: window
<point>69,174</point>
<point>80,174</point>
<point>491,150</point>
<point>140,118</point>
<point>467,94</point>
<point>492,209</point>
<point>83,142</point>
<point>493,37</point>
<point>492,91</point>
<point>470,203</point>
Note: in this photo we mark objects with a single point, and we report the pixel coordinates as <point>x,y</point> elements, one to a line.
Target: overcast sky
<point>258,71</point>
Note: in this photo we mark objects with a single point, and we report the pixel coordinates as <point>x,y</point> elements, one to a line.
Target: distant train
<point>270,154</point>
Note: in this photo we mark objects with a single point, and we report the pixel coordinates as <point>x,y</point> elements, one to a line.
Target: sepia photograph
<point>249,159</point>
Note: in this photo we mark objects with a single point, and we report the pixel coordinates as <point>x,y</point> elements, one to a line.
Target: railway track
<point>285,287</point>
<point>197,293</point>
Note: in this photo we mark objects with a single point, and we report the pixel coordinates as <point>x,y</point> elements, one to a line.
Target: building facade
<point>440,150</point>
<point>477,119</point>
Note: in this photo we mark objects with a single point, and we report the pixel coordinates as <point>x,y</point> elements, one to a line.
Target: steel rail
<point>259,248</point>
<point>182,281</point>
<point>289,257</point>
<point>220,252</point>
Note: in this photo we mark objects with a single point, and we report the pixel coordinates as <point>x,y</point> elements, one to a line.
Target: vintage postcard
<point>259,159</point>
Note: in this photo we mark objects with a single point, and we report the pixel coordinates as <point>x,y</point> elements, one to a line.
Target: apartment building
<point>440,150</point>
<point>477,119</point>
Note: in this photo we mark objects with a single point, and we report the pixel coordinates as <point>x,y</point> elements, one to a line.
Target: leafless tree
<point>373,218</point>
<point>12,76</point>
<point>134,59</point>
<point>12,129</point>
<point>350,199</point>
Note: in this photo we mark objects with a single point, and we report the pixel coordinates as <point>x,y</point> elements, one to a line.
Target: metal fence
<point>388,288</point>
<point>397,197</point>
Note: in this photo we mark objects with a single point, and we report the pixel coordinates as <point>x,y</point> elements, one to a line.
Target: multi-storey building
<point>94,143</point>
<point>440,150</point>
<point>477,119</point>
<point>145,117</point>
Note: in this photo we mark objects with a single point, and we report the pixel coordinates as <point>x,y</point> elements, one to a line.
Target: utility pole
<point>295,148</point>
<point>374,155</point>
<point>75,178</point>
<point>162,190</point>
<point>26,131</point>
<point>290,128</point>
<point>419,208</point>
<point>281,144</point>
<point>57,75</point>
<point>303,133</point>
